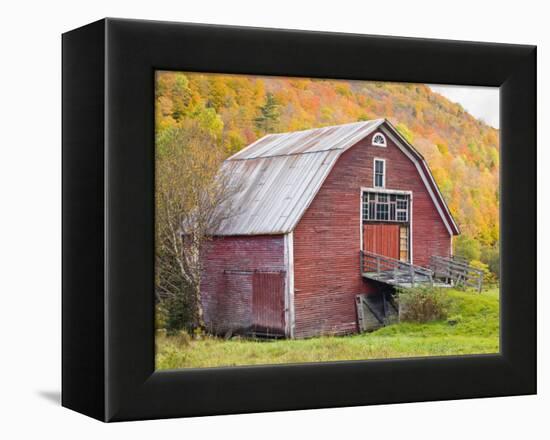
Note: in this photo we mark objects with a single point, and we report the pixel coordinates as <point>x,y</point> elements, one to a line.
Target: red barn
<point>322,216</point>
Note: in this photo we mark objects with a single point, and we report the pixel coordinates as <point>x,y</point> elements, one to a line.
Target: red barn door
<point>382,239</point>
<point>268,303</point>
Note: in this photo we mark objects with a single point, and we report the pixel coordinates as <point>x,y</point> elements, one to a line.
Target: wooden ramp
<point>378,309</point>
<point>457,272</point>
<point>443,272</point>
<point>394,272</point>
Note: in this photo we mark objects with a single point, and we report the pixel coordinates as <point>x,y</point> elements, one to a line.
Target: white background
<point>30,218</point>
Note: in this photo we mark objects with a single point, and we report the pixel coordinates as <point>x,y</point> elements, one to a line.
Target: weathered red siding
<point>327,238</point>
<point>227,283</point>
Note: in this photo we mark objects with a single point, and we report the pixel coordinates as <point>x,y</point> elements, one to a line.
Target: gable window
<point>379,140</point>
<point>379,173</point>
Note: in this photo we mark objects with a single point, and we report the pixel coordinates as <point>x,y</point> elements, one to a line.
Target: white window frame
<point>383,144</point>
<point>378,159</point>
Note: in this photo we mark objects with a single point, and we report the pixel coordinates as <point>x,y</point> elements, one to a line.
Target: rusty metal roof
<point>279,175</point>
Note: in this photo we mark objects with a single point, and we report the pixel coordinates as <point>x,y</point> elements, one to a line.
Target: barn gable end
<point>327,240</point>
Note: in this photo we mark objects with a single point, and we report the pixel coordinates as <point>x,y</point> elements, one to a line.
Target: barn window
<point>382,211</point>
<point>379,140</point>
<point>385,207</point>
<point>379,173</point>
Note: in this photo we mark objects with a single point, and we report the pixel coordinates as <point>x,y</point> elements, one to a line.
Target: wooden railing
<point>457,271</point>
<point>392,271</point>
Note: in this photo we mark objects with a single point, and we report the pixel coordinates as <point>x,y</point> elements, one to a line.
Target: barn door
<point>382,239</point>
<point>268,303</point>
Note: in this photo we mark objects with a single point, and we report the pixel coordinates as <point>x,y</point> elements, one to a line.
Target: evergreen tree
<point>269,115</point>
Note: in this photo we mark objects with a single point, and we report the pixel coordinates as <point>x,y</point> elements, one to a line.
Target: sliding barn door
<point>382,239</point>
<point>268,303</point>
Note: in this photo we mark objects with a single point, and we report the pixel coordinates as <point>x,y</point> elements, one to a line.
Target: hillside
<point>462,151</point>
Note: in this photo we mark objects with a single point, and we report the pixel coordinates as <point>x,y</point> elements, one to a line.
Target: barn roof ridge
<point>288,154</point>
<point>325,127</point>
<point>336,137</point>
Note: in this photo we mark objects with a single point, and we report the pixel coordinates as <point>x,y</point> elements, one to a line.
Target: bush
<point>467,247</point>
<point>178,314</point>
<point>160,316</point>
<point>488,276</point>
<point>482,256</point>
<point>422,304</point>
<point>491,256</point>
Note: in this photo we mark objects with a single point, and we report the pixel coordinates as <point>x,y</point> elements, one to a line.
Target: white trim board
<point>290,321</point>
<point>388,191</point>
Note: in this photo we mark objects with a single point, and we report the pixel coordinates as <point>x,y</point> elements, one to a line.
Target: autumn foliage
<point>462,152</point>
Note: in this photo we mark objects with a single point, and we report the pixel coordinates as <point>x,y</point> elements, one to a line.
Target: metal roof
<point>316,140</point>
<point>279,175</point>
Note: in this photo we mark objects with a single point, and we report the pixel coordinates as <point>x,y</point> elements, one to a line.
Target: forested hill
<point>462,151</point>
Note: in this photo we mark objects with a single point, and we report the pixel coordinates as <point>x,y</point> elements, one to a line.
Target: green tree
<point>269,115</point>
<point>490,255</point>
<point>209,120</point>
<point>181,96</point>
<point>467,247</point>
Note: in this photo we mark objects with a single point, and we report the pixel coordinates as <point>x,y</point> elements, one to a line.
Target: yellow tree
<point>190,189</point>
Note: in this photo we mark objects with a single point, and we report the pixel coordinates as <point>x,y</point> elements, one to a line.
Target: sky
<point>480,102</point>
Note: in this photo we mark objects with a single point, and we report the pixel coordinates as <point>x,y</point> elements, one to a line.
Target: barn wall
<point>327,239</point>
<point>226,287</point>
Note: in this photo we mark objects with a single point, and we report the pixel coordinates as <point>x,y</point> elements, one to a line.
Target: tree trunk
<point>199,314</point>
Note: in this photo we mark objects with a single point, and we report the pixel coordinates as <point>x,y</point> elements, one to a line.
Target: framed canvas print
<point>262,219</point>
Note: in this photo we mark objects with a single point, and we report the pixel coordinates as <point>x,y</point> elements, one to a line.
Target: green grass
<point>476,331</point>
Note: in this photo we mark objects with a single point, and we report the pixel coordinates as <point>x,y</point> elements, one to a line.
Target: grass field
<point>472,328</point>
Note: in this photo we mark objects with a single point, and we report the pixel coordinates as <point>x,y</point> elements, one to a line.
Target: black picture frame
<point>108,219</point>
